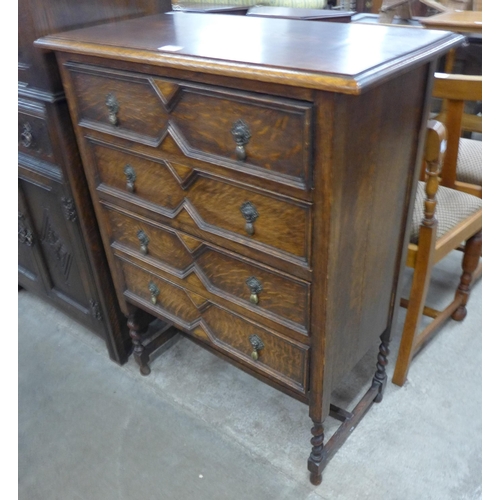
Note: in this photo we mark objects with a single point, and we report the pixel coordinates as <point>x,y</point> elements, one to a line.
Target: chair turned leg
<point>137,328</point>
<point>472,254</point>
<point>316,456</point>
<point>418,293</point>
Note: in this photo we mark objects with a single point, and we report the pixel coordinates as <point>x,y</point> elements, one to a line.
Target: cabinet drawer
<point>237,129</point>
<point>119,104</point>
<point>261,349</point>
<point>204,202</point>
<point>212,272</point>
<point>33,133</point>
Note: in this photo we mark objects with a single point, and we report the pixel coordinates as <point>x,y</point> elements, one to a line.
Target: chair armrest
<point>435,148</point>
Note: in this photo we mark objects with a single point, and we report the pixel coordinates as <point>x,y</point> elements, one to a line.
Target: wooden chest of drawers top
<point>286,52</point>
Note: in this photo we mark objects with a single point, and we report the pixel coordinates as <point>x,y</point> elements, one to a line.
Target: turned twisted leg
<point>380,377</point>
<point>137,329</point>
<point>316,456</point>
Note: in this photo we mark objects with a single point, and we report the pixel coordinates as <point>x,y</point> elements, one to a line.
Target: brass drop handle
<point>257,345</point>
<point>143,240</point>
<point>113,107</point>
<point>131,177</point>
<point>241,135</point>
<point>26,136</point>
<point>154,291</point>
<point>255,288</point>
<point>250,214</point>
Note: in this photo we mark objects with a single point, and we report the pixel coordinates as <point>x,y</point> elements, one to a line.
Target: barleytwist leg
<point>316,453</point>
<point>472,254</point>
<point>380,377</point>
<point>137,329</point>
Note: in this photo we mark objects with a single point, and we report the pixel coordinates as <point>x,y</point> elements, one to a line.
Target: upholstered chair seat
<point>470,161</point>
<point>452,208</point>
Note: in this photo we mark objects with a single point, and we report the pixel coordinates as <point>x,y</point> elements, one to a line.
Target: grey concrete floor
<point>198,428</point>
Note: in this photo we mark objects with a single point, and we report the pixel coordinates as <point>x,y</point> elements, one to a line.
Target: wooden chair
<point>391,8</point>
<point>443,218</point>
<point>449,5</point>
<point>462,166</point>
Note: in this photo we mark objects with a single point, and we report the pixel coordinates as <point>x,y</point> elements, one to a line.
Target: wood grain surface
<point>203,269</point>
<point>281,358</point>
<point>207,202</point>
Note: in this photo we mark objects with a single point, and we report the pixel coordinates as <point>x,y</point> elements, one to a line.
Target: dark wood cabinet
<point>257,194</point>
<point>60,252</point>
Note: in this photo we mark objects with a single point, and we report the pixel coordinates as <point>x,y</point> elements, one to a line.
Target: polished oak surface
<point>327,55</point>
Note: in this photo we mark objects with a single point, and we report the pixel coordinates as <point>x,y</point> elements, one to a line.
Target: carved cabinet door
<point>50,249</point>
<point>31,273</point>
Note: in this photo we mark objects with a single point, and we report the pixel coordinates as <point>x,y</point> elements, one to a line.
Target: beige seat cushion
<point>452,207</point>
<point>470,161</point>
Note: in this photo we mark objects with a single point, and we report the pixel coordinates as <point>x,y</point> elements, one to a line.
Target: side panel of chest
<point>375,155</point>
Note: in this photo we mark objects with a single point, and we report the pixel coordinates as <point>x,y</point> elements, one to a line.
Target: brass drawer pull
<point>26,136</point>
<point>255,288</point>
<point>131,176</point>
<point>241,135</point>
<point>113,107</point>
<point>250,214</point>
<point>154,291</point>
<point>257,345</point>
<point>143,240</point>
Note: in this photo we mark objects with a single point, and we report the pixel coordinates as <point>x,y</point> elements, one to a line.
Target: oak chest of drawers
<point>252,179</point>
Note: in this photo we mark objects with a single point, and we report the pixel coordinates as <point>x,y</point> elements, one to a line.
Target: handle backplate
<point>241,135</point>
<point>113,107</point>
<point>257,345</point>
<point>131,177</point>
<point>250,214</point>
<point>154,291</point>
<point>255,288</point>
<point>143,240</point>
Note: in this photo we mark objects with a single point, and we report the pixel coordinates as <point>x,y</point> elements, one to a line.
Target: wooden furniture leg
<point>450,61</point>
<point>138,325</point>
<point>317,456</point>
<point>150,337</point>
<point>380,378</point>
<point>470,263</point>
<point>416,303</point>
<point>322,453</point>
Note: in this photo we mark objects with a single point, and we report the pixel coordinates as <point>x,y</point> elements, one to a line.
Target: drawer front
<point>211,272</point>
<point>262,350</point>
<point>33,135</point>
<point>119,104</point>
<point>226,126</point>
<point>236,129</point>
<point>206,202</point>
